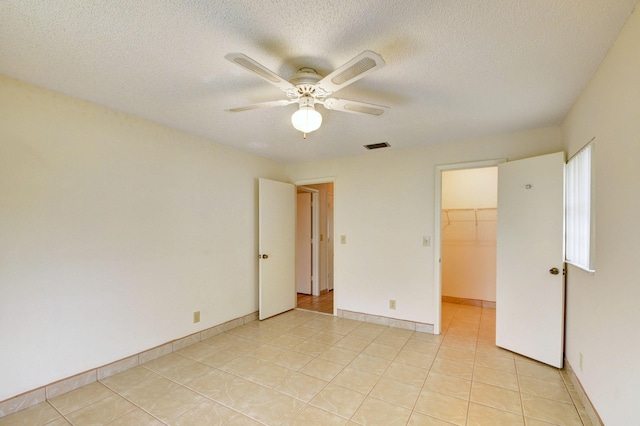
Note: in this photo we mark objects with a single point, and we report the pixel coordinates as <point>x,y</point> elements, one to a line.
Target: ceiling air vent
<point>378,145</point>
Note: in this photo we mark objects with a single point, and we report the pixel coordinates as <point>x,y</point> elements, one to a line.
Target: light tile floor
<point>304,368</point>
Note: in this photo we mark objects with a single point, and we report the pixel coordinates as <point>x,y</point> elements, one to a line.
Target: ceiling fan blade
<point>261,105</point>
<point>355,106</point>
<point>352,71</point>
<point>265,73</point>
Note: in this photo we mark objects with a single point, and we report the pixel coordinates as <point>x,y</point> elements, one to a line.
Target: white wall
<point>384,204</point>
<point>114,230</point>
<point>470,188</point>
<point>603,310</point>
<point>468,237</point>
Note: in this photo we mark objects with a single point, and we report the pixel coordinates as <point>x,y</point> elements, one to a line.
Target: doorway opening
<point>314,247</point>
<point>465,247</point>
<point>468,239</point>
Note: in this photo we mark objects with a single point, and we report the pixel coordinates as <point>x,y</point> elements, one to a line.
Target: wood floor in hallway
<point>322,303</point>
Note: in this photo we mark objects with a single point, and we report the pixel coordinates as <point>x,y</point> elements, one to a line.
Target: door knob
<point>554,271</point>
<point>263,256</point>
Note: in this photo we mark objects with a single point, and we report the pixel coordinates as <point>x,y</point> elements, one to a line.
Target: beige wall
<point>470,188</point>
<point>384,205</point>
<point>114,231</point>
<point>603,310</point>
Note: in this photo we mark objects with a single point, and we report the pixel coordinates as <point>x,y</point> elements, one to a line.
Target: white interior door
<point>277,245</point>
<point>529,297</point>
<point>303,243</point>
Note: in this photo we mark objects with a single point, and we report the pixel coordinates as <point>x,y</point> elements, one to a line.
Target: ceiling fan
<point>308,89</point>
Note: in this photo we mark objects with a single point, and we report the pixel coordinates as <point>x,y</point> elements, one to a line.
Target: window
<point>579,243</point>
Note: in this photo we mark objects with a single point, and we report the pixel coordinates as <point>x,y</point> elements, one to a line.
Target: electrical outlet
<point>392,304</point>
<point>196,317</point>
<point>581,361</point>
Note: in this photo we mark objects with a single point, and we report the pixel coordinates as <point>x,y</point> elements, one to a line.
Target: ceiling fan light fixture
<point>307,87</point>
<point>306,119</point>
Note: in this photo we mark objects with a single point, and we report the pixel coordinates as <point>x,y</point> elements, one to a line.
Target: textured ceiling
<point>455,69</point>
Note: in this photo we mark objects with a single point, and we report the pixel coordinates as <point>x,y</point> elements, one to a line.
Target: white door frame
<point>437,248</point>
<point>330,242</point>
<point>315,227</point>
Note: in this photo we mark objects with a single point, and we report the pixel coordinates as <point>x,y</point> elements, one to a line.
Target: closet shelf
<point>473,215</point>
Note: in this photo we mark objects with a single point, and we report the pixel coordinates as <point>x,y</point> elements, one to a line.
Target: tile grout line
<point>473,371</point>
<point>287,328</point>
<point>368,394</point>
<point>58,411</point>
<point>474,365</point>
<point>468,399</point>
<point>395,357</point>
<point>260,384</point>
<point>424,382</point>
<point>343,368</point>
<point>194,390</point>
<point>128,400</point>
<point>385,370</point>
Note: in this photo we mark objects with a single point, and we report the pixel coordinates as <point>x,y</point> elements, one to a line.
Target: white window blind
<point>579,218</point>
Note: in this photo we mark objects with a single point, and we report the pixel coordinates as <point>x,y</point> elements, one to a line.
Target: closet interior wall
<point>469,255</point>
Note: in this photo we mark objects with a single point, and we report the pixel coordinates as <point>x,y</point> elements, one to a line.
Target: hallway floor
<point>303,368</point>
<point>322,303</point>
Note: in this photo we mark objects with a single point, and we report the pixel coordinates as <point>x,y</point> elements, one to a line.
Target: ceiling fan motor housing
<point>305,81</point>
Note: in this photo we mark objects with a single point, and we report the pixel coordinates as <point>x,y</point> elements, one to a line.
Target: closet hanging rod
<point>474,210</point>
